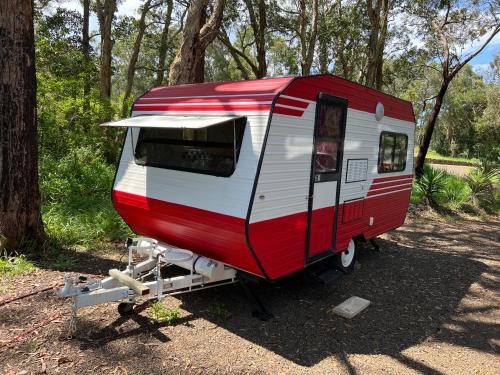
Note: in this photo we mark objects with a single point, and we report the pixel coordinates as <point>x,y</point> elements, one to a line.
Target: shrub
<point>481,181</point>
<point>76,195</point>
<point>431,185</point>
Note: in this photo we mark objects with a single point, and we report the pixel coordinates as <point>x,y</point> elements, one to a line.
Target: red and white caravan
<point>266,176</point>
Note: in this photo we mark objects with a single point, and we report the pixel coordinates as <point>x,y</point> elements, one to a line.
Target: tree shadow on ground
<point>415,290</point>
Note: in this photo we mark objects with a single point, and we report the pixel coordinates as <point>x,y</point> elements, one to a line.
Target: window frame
<point>237,144</point>
<point>380,154</point>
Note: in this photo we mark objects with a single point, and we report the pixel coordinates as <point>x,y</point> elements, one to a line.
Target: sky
<point>129,7</point>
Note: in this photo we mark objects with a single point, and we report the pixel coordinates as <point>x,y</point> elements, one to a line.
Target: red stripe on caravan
<point>388,190</point>
<point>288,111</point>
<point>204,108</point>
<point>360,97</point>
<point>390,183</point>
<point>400,177</point>
<point>291,102</point>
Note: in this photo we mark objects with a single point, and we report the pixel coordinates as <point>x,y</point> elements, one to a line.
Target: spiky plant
<point>480,181</point>
<point>431,185</point>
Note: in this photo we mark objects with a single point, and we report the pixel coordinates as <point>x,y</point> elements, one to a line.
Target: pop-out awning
<point>189,122</point>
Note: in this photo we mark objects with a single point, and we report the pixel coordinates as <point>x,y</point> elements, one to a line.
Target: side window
<point>328,138</point>
<point>392,152</point>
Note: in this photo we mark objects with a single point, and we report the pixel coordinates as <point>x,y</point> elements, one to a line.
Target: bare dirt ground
<point>433,287</point>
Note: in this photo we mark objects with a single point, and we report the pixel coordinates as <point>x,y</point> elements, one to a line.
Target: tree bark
<point>307,42</point>
<point>188,64</point>
<point>378,17</point>
<point>134,57</point>
<point>162,52</point>
<point>86,54</point>
<point>20,216</point>
<point>105,10</point>
<point>429,129</point>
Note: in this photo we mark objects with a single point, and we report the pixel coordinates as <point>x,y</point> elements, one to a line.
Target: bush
<point>430,186</point>
<point>481,181</point>
<point>76,197</point>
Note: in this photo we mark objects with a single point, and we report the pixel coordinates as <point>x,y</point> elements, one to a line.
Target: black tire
<point>345,260</point>
<point>126,308</point>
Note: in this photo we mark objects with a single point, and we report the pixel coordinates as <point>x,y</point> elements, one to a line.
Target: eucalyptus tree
<point>105,11</point>
<point>452,32</point>
<point>20,217</point>
<point>199,31</point>
<point>248,21</point>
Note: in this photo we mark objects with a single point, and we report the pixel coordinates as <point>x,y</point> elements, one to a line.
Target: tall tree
<point>307,37</point>
<point>162,51</point>
<point>189,63</point>
<point>447,27</point>
<point>20,198</point>
<point>86,53</point>
<point>250,34</point>
<point>378,14</point>
<point>141,28</point>
<point>105,10</point>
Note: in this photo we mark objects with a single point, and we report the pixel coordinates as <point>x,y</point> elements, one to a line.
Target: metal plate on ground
<point>351,307</point>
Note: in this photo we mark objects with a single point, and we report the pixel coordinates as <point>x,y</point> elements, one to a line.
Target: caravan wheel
<point>346,259</point>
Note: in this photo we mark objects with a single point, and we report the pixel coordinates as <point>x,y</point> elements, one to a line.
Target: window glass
<point>211,150</point>
<point>330,121</point>
<point>328,137</point>
<point>392,152</point>
<point>326,156</point>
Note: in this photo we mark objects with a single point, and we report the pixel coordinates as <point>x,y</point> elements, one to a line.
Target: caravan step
<point>328,276</point>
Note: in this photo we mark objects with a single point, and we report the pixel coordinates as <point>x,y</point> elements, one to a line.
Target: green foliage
<point>160,314</point>
<point>480,182</point>
<point>431,185</point>
<point>63,262</point>
<point>219,311</point>
<point>431,154</point>
<point>14,265</point>
<point>76,198</point>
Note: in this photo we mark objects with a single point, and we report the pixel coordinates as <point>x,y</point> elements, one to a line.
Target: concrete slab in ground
<point>351,307</point>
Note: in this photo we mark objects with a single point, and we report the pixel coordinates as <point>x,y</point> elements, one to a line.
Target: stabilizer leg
<point>260,311</point>
<point>375,245</point>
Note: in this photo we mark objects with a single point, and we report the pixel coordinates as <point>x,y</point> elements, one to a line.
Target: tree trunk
<point>135,56</point>
<point>261,40</point>
<point>20,216</point>
<point>162,52</point>
<point>429,129</point>
<point>323,56</point>
<point>307,44</point>
<point>378,17</point>
<point>86,54</point>
<point>188,64</point>
<point>105,14</point>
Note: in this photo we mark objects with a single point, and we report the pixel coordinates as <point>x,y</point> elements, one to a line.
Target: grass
<point>76,193</point>
<point>158,313</point>
<point>14,265</point>
<point>63,262</point>
<point>453,193</point>
<point>431,154</point>
<point>219,311</point>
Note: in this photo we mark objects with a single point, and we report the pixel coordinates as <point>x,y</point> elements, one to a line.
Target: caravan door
<point>326,172</point>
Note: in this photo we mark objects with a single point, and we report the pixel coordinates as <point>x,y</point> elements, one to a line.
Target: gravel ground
<point>434,309</point>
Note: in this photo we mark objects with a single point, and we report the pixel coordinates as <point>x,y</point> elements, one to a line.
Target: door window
<point>328,140</point>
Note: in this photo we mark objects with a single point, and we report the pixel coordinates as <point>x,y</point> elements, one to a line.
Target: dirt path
<point>435,309</point>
